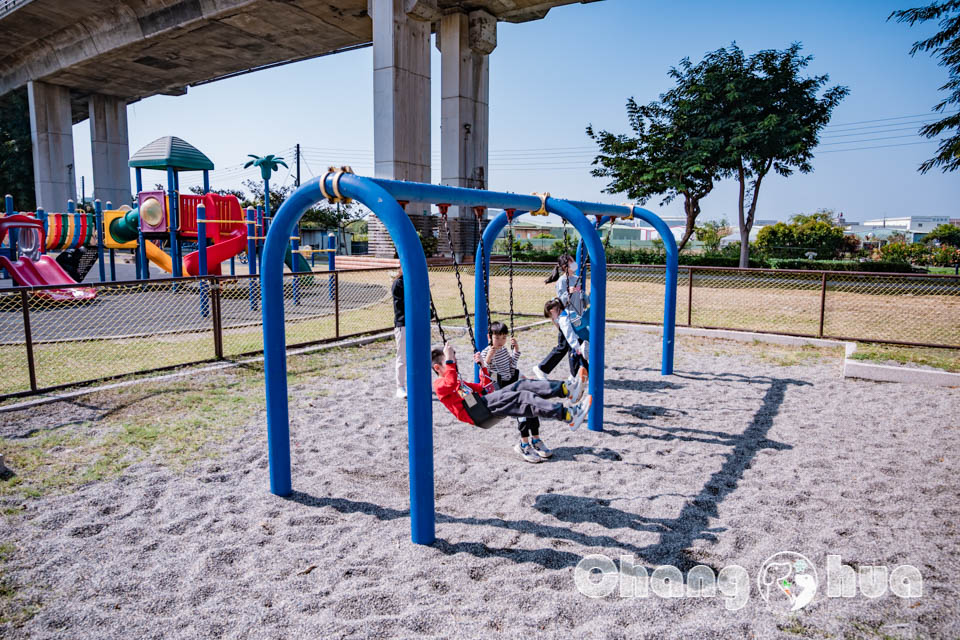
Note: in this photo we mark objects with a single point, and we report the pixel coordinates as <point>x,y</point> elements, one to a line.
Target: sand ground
<point>747,451</point>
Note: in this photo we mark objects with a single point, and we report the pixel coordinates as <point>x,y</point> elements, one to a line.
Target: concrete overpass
<point>90,58</point>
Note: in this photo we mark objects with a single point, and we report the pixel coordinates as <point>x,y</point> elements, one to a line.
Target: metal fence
<point>143,326</point>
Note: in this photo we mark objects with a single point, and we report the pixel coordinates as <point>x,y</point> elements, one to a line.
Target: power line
<point>915,123</point>
<point>308,167</point>
<point>920,115</point>
<point>871,133</point>
<point>882,146</point>
<point>830,144</point>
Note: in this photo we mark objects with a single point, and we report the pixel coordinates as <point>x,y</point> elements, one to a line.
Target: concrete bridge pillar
<point>401,100</point>
<point>465,42</point>
<point>108,143</point>
<point>51,131</point>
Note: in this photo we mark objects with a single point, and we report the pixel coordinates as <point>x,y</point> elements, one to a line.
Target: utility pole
<point>297,155</point>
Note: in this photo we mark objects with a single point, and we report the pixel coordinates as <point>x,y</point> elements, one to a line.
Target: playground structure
<point>32,268</point>
<point>159,218</point>
<point>382,197</point>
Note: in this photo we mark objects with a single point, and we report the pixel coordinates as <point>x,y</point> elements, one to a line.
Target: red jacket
<point>451,389</point>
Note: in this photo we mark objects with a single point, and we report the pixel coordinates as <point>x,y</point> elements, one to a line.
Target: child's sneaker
<point>583,375</point>
<point>539,448</point>
<point>539,374</point>
<point>526,452</point>
<point>580,413</point>
<point>575,391</point>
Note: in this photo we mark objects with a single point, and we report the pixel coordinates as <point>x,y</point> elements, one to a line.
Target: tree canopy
<point>945,45</point>
<point>944,234</point>
<point>16,150</point>
<point>768,114</point>
<point>806,233</point>
<point>711,233</point>
<point>671,154</point>
<point>729,115</point>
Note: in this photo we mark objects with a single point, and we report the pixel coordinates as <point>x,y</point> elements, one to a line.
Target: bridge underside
<point>138,48</point>
<point>90,58</point>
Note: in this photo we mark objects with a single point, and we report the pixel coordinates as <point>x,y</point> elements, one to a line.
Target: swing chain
<point>456,270</point>
<point>433,309</point>
<point>583,264</point>
<point>509,213</point>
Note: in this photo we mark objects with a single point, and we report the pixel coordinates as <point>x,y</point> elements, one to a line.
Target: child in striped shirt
<point>501,369</point>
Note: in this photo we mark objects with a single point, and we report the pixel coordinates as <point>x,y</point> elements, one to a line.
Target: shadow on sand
<point>676,535</point>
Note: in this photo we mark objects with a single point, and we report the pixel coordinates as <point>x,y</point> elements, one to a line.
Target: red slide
<point>234,244</point>
<point>29,273</point>
<point>229,238</point>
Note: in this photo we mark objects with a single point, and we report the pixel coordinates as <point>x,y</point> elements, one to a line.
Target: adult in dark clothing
<point>400,332</point>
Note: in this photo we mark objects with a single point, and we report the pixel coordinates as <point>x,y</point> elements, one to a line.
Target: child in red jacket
<point>466,400</point>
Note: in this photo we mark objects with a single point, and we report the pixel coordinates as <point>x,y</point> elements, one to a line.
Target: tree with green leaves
<point>16,150</point>
<point>711,233</point>
<point>944,234</point>
<point>671,155</point>
<point>805,233</point>
<point>267,165</point>
<point>768,115</point>
<point>237,193</point>
<point>257,198</point>
<point>945,45</point>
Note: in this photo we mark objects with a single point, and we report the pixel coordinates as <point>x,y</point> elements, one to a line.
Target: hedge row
<point>644,256</point>
<point>840,265</point>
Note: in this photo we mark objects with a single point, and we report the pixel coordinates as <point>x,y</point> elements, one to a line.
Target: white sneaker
<point>539,374</point>
<point>539,448</point>
<point>576,389</point>
<point>580,413</point>
<point>526,452</point>
<point>401,393</point>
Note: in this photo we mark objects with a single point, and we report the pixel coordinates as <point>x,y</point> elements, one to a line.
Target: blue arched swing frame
<point>382,196</point>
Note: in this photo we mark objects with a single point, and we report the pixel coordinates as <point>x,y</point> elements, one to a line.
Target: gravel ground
<point>749,450</point>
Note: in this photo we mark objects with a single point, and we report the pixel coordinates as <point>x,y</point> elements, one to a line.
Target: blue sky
<point>549,79</point>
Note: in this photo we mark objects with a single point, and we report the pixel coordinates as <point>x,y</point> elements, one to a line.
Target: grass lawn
<point>766,304</point>
<point>945,359</point>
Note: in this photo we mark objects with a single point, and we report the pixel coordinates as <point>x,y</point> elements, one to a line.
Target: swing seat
<point>476,408</point>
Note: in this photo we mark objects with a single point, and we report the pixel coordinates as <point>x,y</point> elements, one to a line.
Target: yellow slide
<point>158,256</point>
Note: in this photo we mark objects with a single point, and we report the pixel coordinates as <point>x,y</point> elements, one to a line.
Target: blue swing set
<point>382,196</point>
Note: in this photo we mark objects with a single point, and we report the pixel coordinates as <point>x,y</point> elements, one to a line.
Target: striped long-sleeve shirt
<point>504,362</point>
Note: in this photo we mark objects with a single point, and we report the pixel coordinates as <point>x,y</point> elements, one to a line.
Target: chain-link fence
<point>918,309</point>
<point>136,327</point>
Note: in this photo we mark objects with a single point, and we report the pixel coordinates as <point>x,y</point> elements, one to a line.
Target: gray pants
<point>527,398</point>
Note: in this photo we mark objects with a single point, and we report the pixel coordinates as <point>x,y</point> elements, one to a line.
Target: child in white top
<point>500,366</point>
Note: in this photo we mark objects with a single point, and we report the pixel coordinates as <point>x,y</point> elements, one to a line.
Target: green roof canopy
<point>170,151</point>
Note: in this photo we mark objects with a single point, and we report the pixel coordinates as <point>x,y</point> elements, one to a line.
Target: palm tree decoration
<point>268,164</point>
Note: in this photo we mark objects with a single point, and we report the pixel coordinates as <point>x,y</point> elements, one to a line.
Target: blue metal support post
<point>252,254</point>
<point>98,211</point>
<point>294,248</point>
<point>172,207</point>
<point>417,304</point>
<point>202,258</point>
<point>331,266</point>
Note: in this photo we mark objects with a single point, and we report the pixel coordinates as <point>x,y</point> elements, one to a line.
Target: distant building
<point>913,227</point>
<point>734,237</point>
